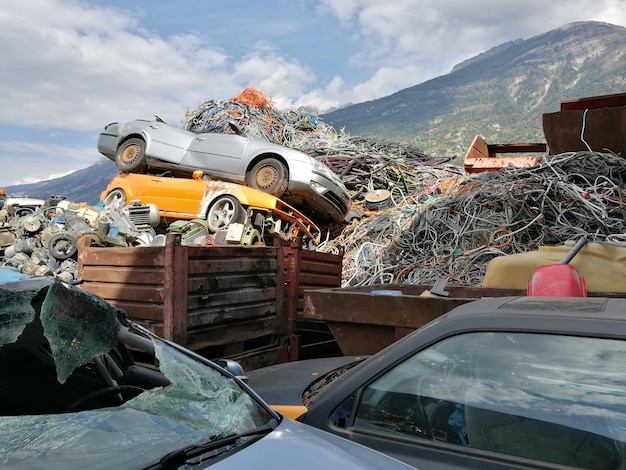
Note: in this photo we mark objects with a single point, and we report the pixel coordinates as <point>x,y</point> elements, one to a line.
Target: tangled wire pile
<point>363,164</point>
<point>453,233</point>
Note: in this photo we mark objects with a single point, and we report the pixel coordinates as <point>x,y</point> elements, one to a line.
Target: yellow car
<point>220,203</point>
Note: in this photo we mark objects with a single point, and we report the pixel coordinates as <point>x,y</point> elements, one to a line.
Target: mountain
<point>500,94</point>
<point>81,186</point>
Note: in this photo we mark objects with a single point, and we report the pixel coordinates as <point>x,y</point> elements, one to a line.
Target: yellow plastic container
<point>603,265</point>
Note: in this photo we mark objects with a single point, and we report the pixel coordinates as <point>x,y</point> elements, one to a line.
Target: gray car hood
<point>296,445</point>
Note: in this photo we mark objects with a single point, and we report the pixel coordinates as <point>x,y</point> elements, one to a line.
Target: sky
<point>69,67</point>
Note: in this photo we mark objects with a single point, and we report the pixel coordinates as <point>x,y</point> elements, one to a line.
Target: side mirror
<point>233,367</point>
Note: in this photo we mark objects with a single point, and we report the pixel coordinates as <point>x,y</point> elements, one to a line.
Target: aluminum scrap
<point>44,240</point>
<point>452,232</point>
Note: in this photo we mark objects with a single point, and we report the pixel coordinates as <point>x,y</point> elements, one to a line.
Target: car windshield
<point>63,350</point>
<point>554,398</point>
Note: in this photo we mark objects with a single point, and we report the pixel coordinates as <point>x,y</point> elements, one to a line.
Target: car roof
<point>577,316</point>
<point>569,315</point>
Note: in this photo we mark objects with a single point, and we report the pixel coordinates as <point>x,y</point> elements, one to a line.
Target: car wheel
<point>270,176</point>
<point>116,199</point>
<point>224,211</point>
<point>131,156</point>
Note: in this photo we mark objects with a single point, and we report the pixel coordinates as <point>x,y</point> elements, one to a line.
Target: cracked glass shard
<point>199,397</point>
<point>16,306</point>
<point>78,326</point>
<point>198,403</point>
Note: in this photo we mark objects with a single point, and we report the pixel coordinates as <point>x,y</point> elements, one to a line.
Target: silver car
<point>288,174</point>
<point>85,387</point>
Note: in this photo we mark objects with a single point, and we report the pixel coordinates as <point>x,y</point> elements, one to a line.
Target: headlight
<point>318,187</point>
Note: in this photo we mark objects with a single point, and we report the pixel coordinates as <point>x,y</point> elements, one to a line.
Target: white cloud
<point>66,62</point>
<point>72,65</point>
<point>25,162</point>
<point>442,33</point>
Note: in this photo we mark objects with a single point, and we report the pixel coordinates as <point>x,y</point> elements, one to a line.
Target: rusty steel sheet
<point>221,300</point>
<point>190,293</point>
<point>596,123</point>
<point>364,320</point>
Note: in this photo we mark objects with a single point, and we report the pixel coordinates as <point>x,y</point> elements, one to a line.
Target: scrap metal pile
<point>44,239</point>
<point>452,231</point>
<point>363,164</point>
<point>425,219</point>
<point>418,218</point>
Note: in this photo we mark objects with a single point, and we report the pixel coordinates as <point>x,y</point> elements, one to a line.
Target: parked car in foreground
<point>503,383</point>
<point>81,387</point>
<point>288,174</point>
<point>219,202</point>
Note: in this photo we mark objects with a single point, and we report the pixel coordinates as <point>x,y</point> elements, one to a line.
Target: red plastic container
<point>557,280</point>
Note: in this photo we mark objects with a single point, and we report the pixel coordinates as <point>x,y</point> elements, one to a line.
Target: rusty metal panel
<point>307,270</point>
<point>597,129</point>
<point>150,256</point>
<point>590,102</point>
<point>220,297</point>
<point>229,284</point>
<point>122,274</point>
<point>363,322</point>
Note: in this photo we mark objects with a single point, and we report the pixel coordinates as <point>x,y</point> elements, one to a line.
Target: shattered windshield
<point>72,396</point>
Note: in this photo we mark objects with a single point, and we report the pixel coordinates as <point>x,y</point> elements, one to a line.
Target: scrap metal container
<point>223,301</point>
<point>243,302</point>
<point>364,320</point>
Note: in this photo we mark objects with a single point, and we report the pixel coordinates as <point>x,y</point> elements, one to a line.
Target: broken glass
<point>199,403</point>
<point>16,310</point>
<point>78,325</point>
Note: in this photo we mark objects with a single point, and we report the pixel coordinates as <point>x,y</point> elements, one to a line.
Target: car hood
<point>283,384</point>
<point>294,444</point>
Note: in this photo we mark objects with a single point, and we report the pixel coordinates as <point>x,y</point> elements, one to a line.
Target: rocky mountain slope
<point>500,94</point>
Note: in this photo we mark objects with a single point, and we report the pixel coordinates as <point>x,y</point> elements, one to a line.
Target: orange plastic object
<point>557,280</point>
<point>254,98</point>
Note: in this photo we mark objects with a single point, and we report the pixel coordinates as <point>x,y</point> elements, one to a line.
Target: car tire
<point>116,199</point>
<point>270,176</point>
<point>224,211</point>
<point>131,156</point>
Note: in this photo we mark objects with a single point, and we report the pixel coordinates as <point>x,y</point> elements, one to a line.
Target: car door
<point>173,196</point>
<point>220,155</point>
<point>167,143</point>
<point>497,400</point>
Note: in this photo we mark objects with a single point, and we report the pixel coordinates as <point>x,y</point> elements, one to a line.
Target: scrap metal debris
<point>418,219</point>
<point>45,239</point>
<point>364,164</point>
<point>453,230</point>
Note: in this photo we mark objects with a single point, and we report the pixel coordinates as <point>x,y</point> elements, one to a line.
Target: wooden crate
<point>309,270</point>
<point>200,297</point>
<point>236,301</point>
